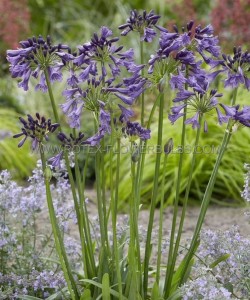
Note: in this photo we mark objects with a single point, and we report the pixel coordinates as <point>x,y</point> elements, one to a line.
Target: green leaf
<point>105,287</point>
<point>99,285</point>
<point>155,294</point>
<point>175,296</point>
<point>86,295</point>
<point>59,293</point>
<point>220,259</point>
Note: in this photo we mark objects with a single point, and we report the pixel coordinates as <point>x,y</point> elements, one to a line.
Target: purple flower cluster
<point>144,24</point>
<point>38,282</point>
<point>242,117</point>
<point>237,68</point>
<point>37,129</point>
<point>196,95</point>
<point>35,56</point>
<point>95,82</point>
<point>134,130</point>
<point>179,49</point>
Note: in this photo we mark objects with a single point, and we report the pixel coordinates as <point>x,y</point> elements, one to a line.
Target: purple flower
<point>55,161</point>
<point>243,116</point>
<point>102,49</point>
<point>177,81</point>
<point>134,130</point>
<point>199,98</point>
<point>35,128</point>
<point>144,24</point>
<point>174,117</point>
<point>177,48</point>
<point>221,118</point>
<point>96,138</point>
<point>237,68</point>
<point>36,55</point>
<point>206,42</point>
<point>194,121</point>
<point>105,120</point>
<point>183,95</point>
<point>126,114</point>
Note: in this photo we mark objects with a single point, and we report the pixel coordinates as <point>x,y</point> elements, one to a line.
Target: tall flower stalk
<point>154,192</point>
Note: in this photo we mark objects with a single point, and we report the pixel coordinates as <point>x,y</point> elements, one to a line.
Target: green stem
<point>183,214</point>
<point>103,174</point>
<point>142,95</point>
<point>52,100</point>
<point>57,234</point>
<point>143,144</point>
<point>99,199</point>
<point>208,192</point>
<point>154,194</point>
<point>87,250</point>
<point>161,220</point>
<point>133,258</point>
<point>176,202</point>
<point>114,201</point>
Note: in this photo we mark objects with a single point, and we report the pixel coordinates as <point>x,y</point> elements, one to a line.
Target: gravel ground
<point>217,217</point>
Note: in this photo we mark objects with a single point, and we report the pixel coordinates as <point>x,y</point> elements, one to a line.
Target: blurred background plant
<point>73,22</point>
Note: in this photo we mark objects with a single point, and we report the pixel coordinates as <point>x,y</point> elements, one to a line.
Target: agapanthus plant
<point>105,80</point>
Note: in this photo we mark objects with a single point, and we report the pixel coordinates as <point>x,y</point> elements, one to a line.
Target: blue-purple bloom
<point>199,99</point>
<point>134,131</point>
<point>126,114</point>
<point>144,24</point>
<point>35,128</point>
<point>233,112</point>
<point>34,56</point>
<point>237,68</point>
<point>102,50</point>
<point>206,42</point>
<point>178,48</point>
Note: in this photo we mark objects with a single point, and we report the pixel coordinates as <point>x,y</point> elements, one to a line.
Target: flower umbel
<point>143,24</point>
<point>37,129</point>
<point>34,56</point>
<point>134,130</point>
<point>237,68</point>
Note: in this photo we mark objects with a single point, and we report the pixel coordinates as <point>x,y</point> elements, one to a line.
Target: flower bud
<point>135,155</point>
<point>168,147</point>
<point>47,174</point>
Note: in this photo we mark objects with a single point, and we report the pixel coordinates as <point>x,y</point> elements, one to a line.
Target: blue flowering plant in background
<point>103,78</point>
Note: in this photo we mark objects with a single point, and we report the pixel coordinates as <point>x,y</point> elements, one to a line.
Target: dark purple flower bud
<point>143,24</point>
<point>168,147</point>
<point>134,130</point>
<point>37,129</point>
<point>237,68</point>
